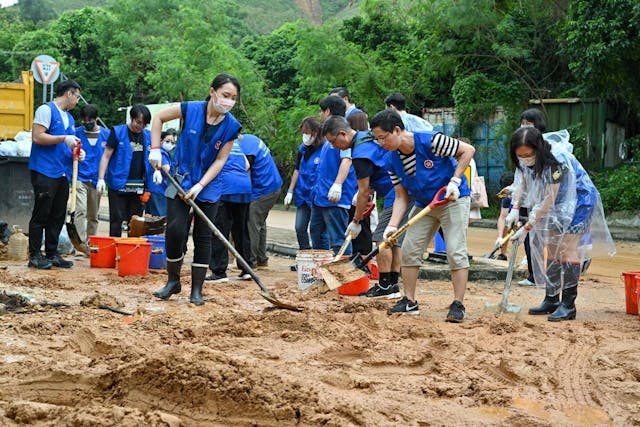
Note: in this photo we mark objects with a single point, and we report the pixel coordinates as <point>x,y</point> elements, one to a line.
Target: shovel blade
<point>273,300</point>
<point>338,273</point>
<point>499,308</point>
<point>75,239</point>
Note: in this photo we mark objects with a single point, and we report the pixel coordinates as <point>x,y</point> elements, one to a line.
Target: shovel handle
<point>343,248</point>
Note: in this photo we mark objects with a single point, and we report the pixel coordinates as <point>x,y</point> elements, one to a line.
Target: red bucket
<point>631,285</point>
<point>102,252</point>
<point>133,257</point>
<point>355,288</point>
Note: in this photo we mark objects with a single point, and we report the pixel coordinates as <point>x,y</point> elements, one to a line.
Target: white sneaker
<point>526,282</point>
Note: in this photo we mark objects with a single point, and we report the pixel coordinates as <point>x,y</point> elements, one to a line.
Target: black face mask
<point>90,126</point>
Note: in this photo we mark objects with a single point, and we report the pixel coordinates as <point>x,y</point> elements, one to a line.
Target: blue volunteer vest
<point>307,174</point>
<point>265,178</point>
<point>328,167</point>
<point>53,160</point>
<point>364,147</point>
<point>586,192</point>
<point>120,163</point>
<point>149,170</point>
<point>234,178</point>
<point>432,172</point>
<point>194,155</point>
<point>88,168</point>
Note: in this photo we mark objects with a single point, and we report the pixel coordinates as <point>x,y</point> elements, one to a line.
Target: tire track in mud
<point>572,368</point>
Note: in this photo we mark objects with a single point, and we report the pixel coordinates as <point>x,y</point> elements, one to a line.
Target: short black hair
<point>536,117</point>
<point>66,86</point>
<point>387,120</point>
<point>397,100</point>
<point>341,91</point>
<point>140,109</point>
<point>89,111</point>
<point>170,131</point>
<point>506,179</point>
<point>334,124</point>
<point>334,104</point>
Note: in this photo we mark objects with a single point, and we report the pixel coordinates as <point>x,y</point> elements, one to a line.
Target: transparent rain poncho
<point>567,217</point>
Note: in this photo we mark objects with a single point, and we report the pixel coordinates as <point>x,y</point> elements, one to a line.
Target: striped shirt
<point>441,145</point>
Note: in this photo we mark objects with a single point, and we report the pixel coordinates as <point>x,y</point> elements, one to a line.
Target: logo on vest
<point>428,164</point>
<point>316,161</point>
<point>218,145</point>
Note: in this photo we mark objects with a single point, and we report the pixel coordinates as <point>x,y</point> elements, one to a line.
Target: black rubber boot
<point>567,308</point>
<point>197,279</point>
<point>173,283</point>
<point>550,303</point>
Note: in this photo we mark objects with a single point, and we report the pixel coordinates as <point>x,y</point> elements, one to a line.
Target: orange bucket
<point>102,252</point>
<point>354,288</point>
<point>133,257</point>
<point>631,284</point>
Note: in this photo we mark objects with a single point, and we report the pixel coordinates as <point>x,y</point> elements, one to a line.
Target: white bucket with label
<point>307,261</point>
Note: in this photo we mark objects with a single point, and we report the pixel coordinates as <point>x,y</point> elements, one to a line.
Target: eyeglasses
<point>76,94</point>
<point>380,140</point>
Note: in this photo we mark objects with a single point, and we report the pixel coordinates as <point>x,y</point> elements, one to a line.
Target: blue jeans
<point>331,221</point>
<point>303,216</point>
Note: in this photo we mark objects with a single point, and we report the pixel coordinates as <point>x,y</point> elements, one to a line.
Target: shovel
<point>337,273</point>
<point>348,238</point>
<point>498,246</point>
<point>503,306</point>
<point>264,292</point>
<point>72,231</point>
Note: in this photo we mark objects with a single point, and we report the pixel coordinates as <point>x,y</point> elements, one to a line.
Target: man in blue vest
<point>93,138</point>
<point>420,164</point>
<point>334,188</point>
<point>123,167</point>
<point>265,190</point>
<point>53,139</point>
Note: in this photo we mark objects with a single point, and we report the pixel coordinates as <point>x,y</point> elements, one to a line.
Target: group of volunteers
<point>344,163</point>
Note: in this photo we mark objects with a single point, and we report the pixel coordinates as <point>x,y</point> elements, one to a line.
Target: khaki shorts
<point>454,219</point>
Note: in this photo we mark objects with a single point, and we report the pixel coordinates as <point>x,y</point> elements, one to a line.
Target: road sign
<point>46,70</point>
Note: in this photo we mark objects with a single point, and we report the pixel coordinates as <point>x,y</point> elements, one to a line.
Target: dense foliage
<point>471,54</point>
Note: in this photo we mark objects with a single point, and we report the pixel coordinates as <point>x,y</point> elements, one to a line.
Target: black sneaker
<point>58,261</point>
<point>380,291</point>
<point>216,278</point>
<point>456,312</point>
<point>39,262</point>
<point>405,306</point>
<point>501,257</point>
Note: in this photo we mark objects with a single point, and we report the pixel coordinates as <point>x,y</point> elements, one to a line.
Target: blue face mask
<point>90,126</point>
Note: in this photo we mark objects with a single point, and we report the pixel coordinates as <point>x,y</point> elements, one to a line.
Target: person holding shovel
<point>420,164</point>
<point>203,148</point>
<point>53,139</point>
<point>565,205</point>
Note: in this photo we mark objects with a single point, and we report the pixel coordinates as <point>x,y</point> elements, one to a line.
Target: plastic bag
<point>65,247</point>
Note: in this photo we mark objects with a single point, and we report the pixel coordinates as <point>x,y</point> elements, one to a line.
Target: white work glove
<point>288,198</point>
<point>193,193</point>
<point>499,241</point>
<point>71,141</point>
<point>82,155</point>
<point>389,231</point>
<point>100,186</point>
<point>520,235</point>
<point>157,177</point>
<point>453,192</point>
<point>335,193</point>
<point>512,217</point>
<point>155,157</point>
<point>353,229</point>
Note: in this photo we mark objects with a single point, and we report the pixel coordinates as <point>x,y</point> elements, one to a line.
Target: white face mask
<point>168,146</point>
<point>527,161</point>
<point>306,139</point>
<point>223,105</point>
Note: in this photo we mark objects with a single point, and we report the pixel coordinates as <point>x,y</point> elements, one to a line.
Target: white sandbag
<point>8,148</point>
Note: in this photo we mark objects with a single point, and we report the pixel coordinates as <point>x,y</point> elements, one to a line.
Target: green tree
<point>36,11</point>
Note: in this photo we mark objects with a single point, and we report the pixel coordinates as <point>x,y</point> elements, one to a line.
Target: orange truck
<point>16,106</point>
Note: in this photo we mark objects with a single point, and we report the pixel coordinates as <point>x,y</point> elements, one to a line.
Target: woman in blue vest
<point>266,183</point>
<point>420,163</point>
<point>232,216</point>
<point>157,204</point>
<point>93,138</point>
<point>123,167</point>
<point>303,178</point>
<point>564,206</point>
<point>203,148</point>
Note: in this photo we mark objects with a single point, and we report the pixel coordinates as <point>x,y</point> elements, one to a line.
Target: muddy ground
<point>342,361</point>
